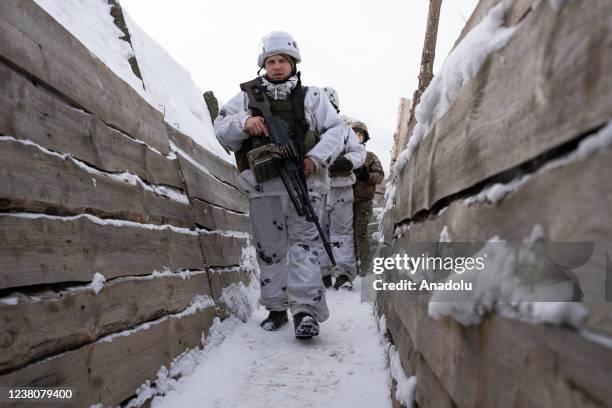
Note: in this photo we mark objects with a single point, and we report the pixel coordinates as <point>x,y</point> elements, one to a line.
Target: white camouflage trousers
<point>339,220</point>
<point>287,251</point>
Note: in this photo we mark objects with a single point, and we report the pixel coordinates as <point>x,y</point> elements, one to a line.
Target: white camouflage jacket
<point>356,153</point>
<point>322,118</point>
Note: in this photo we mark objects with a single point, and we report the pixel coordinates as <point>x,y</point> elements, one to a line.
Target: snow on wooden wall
<point>92,181</point>
<point>524,142</point>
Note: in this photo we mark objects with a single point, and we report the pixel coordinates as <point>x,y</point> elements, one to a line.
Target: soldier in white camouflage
<point>368,176</point>
<point>287,243</point>
<point>338,217</point>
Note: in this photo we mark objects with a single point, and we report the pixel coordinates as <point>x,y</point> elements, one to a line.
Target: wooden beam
<point>218,218</point>
<point>502,361</point>
<point>40,181</point>
<point>222,278</point>
<point>216,166</point>
<point>208,188</point>
<point>44,251</point>
<point>222,250</point>
<point>545,88</point>
<point>54,322</point>
<point>30,112</point>
<point>36,43</point>
<point>561,200</point>
<point>507,362</point>
<point>109,372</point>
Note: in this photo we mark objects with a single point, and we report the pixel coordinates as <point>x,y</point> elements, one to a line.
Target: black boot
<point>274,321</point>
<point>343,282</point>
<point>327,281</point>
<point>305,326</point>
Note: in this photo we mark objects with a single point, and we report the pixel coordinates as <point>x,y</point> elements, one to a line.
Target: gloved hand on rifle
<point>362,173</point>
<point>341,167</point>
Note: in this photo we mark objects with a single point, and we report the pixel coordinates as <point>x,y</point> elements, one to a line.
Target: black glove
<point>341,166</point>
<point>362,174</point>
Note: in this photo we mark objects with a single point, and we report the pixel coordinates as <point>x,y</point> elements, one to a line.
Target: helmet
<point>278,42</point>
<point>355,125</point>
<point>333,97</point>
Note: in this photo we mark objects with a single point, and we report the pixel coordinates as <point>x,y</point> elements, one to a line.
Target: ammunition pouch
<point>265,161</point>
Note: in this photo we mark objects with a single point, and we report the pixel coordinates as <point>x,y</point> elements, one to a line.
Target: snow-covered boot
<point>343,282</point>
<point>327,281</point>
<point>274,321</point>
<point>305,326</point>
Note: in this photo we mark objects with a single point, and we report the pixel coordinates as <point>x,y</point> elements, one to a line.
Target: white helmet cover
<point>278,42</point>
<point>333,96</point>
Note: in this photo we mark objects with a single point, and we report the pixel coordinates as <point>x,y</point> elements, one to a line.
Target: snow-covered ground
<point>345,366</point>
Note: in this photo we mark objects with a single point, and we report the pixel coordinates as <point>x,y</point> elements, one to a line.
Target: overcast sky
<point>369,51</point>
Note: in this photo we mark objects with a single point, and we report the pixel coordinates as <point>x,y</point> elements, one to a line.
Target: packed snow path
<point>345,366</point>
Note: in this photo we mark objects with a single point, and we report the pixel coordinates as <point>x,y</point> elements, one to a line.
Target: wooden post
<point>425,77</point>
<point>429,52</point>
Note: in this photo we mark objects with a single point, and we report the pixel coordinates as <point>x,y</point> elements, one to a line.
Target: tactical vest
<point>283,108</point>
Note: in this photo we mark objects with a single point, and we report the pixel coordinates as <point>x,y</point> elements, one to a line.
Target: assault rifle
<point>287,157</point>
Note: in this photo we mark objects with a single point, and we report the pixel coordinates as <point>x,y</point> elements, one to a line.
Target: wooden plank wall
<point>526,110</point>
<point>513,105</point>
<point>89,184</point>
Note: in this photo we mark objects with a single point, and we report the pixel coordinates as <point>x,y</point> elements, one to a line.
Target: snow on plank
<point>208,188</point>
<point>218,218</point>
<point>38,249</point>
<point>567,214</point>
<point>37,179</point>
<point>572,211</point>
<point>109,370</point>
<point>515,100</point>
<point>51,54</point>
<point>29,112</point>
<point>502,361</point>
<point>516,10</point>
<point>211,164</point>
<point>48,323</point>
<point>221,249</point>
<point>221,278</point>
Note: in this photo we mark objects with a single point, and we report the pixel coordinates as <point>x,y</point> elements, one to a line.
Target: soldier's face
<point>360,135</point>
<point>277,67</point>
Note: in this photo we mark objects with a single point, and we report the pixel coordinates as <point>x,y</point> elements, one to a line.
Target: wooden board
<point>562,200</point>
<point>219,168</point>
<point>505,362</point>
<point>548,86</point>
<point>221,250</point>
<point>217,218</point>
<point>30,112</point>
<point>38,181</point>
<point>429,391</point>
<point>208,188</point>
<point>219,279</point>
<point>70,319</point>
<point>37,44</point>
<point>509,363</point>
<point>43,251</point>
<point>110,372</point>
